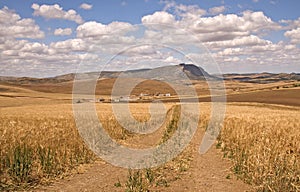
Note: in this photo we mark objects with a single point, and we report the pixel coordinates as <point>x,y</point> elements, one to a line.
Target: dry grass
<point>264,144</point>
<point>37,144</point>
<point>41,142</point>
<point>155,179</point>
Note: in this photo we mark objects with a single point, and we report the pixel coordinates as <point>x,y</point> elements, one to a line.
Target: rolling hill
<point>280,88</point>
<point>161,73</point>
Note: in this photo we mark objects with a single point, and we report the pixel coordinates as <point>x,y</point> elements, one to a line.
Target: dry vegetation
<point>160,178</point>
<point>264,144</point>
<point>39,142</point>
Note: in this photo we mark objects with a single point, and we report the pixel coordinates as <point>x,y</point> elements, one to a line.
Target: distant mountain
<point>263,77</point>
<point>172,73</point>
<point>166,73</point>
<point>195,72</point>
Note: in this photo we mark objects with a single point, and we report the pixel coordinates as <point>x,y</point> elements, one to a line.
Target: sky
<point>49,38</point>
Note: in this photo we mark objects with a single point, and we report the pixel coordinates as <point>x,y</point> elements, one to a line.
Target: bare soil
<point>208,172</point>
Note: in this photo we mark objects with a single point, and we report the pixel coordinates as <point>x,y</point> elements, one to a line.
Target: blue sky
<point>242,36</point>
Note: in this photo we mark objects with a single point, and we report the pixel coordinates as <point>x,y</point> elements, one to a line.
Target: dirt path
<point>208,172</point>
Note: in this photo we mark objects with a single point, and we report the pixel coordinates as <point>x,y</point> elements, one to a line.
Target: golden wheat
<point>40,142</point>
<point>264,144</point>
<point>37,143</point>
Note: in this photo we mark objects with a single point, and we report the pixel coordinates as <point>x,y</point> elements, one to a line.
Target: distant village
<point>131,98</point>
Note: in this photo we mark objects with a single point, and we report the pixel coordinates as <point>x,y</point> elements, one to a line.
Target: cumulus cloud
<point>290,24</point>
<point>217,32</point>
<point>106,38</point>
<point>62,32</point>
<point>159,17</point>
<point>25,58</point>
<point>217,10</point>
<point>189,11</point>
<point>141,50</point>
<point>86,6</point>
<point>183,11</point>
<point>94,29</point>
<point>232,59</point>
<point>251,40</point>
<point>20,47</point>
<point>231,52</point>
<point>69,46</point>
<point>56,12</point>
<point>294,35</point>
<point>247,23</point>
<point>233,39</point>
<point>217,28</point>
<point>13,26</point>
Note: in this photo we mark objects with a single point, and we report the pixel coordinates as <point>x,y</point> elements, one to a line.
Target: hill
<point>161,73</point>
<point>263,78</point>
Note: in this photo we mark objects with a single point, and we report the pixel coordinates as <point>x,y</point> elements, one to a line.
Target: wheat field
<point>263,141</point>
<point>40,143</point>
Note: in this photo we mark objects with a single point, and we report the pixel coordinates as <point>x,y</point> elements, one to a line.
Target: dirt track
<point>208,172</point>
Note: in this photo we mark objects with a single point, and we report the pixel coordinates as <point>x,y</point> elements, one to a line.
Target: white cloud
<point>24,58</point>
<point>247,23</point>
<point>269,57</point>
<point>19,47</point>
<point>86,6</point>
<point>172,60</point>
<point>291,24</point>
<point>160,17</point>
<point>290,47</point>
<point>95,29</point>
<point>189,11</point>
<point>184,11</point>
<point>62,32</point>
<point>56,12</point>
<point>266,48</point>
<point>141,50</point>
<point>68,46</point>
<point>110,38</point>
<point>250,40</point>
<point>12,26</point>
<point>34,47</point>
<point>233,39</point>
<point>217,28</point>
<point>168,4</point>
<point>232,59</point>
<point>231,52</point>
<point>294,35</point>
<point>217,10</point>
